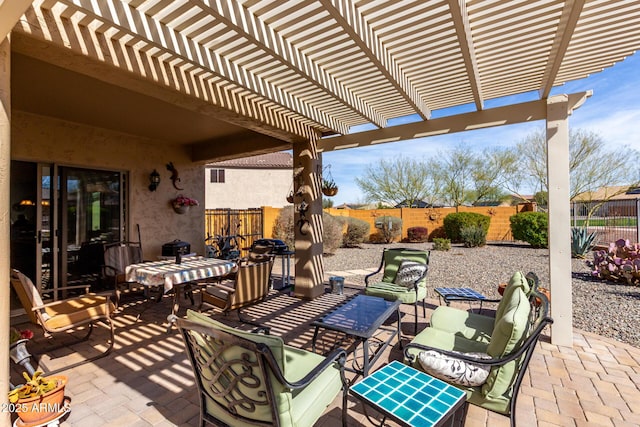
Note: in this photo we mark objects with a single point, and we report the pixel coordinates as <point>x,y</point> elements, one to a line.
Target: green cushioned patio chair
<point>391,288</point>
<point>511,342</point>
<point>249,379</point>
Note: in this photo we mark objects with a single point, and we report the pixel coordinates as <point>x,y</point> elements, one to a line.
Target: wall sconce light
<point>154,177</point>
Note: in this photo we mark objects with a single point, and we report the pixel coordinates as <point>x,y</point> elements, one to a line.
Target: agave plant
<point>581,241</point>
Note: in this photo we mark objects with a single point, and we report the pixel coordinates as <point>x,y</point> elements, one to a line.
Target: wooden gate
<point>247,224</point>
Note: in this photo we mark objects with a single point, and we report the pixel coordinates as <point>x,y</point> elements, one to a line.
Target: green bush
<point>455,222</point>
<point>390,228</point>
<point>417,234</point>
<point>357,232</point>
<point>531,227</point>
<point>473,236</point>
<point>331,234</point>
<point>441,244</point>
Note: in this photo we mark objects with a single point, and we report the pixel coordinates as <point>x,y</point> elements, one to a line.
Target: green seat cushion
<point>392,292</point>
<point>393,259</point>
<point>468,325</point>
<point>517,281</point>
<point>445,341</point>
<point>309,403</point>
<point>508,334</point>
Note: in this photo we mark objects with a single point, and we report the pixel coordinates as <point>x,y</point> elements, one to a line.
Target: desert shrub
<point>283,227</point>
<point>455,222</point>
<point>356,233</point>
<point>331,233</point>
<point>441,244</point>
<point>390,228</point>
<point>417,234</point>
<point>531,227</point>
<point>473,236</point>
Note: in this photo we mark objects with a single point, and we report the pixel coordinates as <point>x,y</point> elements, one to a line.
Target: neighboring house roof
<point>280,160</point>
<point>605,193</point>
<point>415,204</point>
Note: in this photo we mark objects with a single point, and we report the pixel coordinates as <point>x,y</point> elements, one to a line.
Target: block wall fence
<point>431,218</point>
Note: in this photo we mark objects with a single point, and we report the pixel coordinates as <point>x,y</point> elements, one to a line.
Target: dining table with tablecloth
<point>170,274</point>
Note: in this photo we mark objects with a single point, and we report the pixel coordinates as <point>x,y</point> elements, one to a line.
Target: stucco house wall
<point>248,188</point>
<point>43,139</point>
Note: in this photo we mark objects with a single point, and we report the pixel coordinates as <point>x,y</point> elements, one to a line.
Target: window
<point>217,175</point>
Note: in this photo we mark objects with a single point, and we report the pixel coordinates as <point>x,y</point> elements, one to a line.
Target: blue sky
<point>613,112</point>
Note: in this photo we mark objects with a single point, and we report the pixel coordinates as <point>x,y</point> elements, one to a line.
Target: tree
<point>491,173</point>
<point>398,180</point>
<point>592,163</point>
<point>469,177</point>
<point>454,169</point>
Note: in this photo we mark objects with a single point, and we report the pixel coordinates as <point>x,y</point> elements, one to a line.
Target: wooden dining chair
<point>250,286</point>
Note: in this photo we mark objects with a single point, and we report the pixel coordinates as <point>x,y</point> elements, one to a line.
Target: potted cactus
<point>40,400</point>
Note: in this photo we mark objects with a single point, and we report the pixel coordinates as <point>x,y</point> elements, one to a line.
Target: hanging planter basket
<point>329,191</point>
<point>329,187</point>
<point>290,197</point>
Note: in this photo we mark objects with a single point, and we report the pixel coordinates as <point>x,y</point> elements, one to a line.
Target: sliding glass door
<point>61,218</point>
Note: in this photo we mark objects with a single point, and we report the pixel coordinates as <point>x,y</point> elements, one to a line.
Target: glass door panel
<point>91,212</point>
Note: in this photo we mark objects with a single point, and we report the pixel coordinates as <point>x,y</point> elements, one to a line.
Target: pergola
<point>229,78</point>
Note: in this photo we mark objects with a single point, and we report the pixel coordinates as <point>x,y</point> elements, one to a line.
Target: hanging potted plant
<point>40,400</point>
<point>181,204</point>
<point>290,197</point>
<point>329,187</point>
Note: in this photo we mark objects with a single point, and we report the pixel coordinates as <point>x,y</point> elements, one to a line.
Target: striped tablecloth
<point>168,273</point>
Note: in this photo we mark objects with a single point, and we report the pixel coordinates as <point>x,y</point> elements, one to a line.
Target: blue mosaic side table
<point>411,397</point>
<point>462,294</point>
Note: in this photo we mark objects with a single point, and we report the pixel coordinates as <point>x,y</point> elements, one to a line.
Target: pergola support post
<point>558,111</point>
<point>5,220</point>
<point>307,170</point>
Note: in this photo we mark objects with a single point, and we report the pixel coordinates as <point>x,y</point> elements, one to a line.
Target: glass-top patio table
<point>360,318</point>
<point>169,274</point>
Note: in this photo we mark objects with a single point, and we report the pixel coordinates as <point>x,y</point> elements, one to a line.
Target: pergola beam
<point>10,13</point>
<point>347,15</point>
<point>234,146</point>
<point>237,18</point>
<point>568,22</point>
<point>465,39</point>
<point>508,115</point>
<point>190,58</point>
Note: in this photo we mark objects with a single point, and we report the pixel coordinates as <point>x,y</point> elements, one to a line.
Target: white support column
<point>5,163</point>
<point>307,203</point>
<point>558,111</point>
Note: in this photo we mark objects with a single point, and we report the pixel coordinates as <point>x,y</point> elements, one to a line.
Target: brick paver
<point>147,380</point>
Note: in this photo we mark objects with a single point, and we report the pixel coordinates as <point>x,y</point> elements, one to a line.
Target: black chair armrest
<point>260,329</point>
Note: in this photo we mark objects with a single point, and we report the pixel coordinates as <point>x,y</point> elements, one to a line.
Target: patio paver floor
<point>147,380</point>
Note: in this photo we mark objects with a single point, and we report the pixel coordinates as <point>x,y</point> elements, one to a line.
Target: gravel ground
<point>604,308</point>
